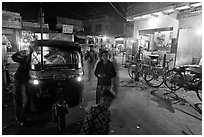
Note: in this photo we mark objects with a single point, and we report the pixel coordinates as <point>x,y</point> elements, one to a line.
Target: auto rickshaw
<point>56,77</point>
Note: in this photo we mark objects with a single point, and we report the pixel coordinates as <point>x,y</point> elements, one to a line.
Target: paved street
<point>137,110</point>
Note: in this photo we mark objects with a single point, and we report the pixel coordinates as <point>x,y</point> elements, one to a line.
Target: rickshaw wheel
<point>61,123</point>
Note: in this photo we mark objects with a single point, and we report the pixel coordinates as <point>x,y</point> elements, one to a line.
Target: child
<point>98,118</point>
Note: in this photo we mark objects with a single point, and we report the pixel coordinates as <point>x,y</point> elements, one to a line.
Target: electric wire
<point>99,11</point>
<point>95,9</point>
<point>122,8</point>
<point>117,10</point>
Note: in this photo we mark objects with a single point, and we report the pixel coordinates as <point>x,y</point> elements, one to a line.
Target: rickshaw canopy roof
<point>56,43</point>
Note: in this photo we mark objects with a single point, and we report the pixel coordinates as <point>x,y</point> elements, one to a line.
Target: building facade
<point>168,28</point>
<point>105,27</point>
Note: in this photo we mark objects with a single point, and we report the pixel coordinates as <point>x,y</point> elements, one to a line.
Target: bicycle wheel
<point>170,79</point>
<point>199,91</point>
<point>198,107</point>
<point>132,71</point>
<point>154,78</point>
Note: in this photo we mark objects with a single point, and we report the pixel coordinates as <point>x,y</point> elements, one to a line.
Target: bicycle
<point>137,69</point>
<point>188,77</point>
<point>154,77</point>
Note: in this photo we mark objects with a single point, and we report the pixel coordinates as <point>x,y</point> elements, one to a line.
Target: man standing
<point>91,57</point>
<point>104,71</point>
<point>21,84</point>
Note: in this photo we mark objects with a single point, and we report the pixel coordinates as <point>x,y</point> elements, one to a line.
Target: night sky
<point>75,10</point>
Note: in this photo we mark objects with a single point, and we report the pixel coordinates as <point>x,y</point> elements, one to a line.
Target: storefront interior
<point>156,39</point>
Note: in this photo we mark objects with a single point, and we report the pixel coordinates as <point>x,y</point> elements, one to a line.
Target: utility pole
<point>41,31</point>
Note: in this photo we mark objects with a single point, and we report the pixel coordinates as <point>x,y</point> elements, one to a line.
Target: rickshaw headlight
<point>79,65</point>
<point>35,82</point>
<point>79,78</point>
<point>32,66</point>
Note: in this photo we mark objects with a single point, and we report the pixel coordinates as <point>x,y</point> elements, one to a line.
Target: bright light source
<point>199,31</point>
<point>129,19</point>
<point>157,13</point>
<point>142,41</point>
<point>79,65</point>
<point>119,39</point>
<point>136,18</point>
<point>79,79</point>
<point>168,11</point>
<point>32,66</point>
<point>35,82</point>
<point>146,16</point>
<point>196,4</point>
<point>183,7</point>
<point>105,37</point>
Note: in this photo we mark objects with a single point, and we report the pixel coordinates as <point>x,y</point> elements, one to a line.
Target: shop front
<point>169,30</point>
<point>155,35</point>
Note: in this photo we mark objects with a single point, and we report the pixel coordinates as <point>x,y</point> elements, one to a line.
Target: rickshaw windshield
<point>56,56</point>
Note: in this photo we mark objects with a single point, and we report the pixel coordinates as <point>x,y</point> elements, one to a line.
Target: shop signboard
<point>11,19</point>
<point>26,24</point>
<point>67,28</point>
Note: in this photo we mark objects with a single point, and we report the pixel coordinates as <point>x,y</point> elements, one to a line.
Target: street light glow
<point>105,37</point>
<point>199,31</point>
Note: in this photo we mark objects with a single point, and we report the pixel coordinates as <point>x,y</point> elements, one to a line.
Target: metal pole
<point>164,61</point>
<point>41,31</point>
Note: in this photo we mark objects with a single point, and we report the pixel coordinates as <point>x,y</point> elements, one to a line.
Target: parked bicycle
<point>137,69</point>
<point>188,76</point>
<point>154,77</point>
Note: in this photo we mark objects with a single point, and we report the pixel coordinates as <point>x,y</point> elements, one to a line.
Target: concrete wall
<point>189,41</point>
<point>97,21</point>
<point>110,27</point>
<point>116,28</point>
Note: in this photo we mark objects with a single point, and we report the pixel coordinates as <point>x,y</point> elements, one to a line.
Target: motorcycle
<point>56,77</point>
<point>187,76</point>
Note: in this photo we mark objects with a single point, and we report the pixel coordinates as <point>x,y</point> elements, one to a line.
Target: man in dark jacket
<point>104,71</point>
<point>21,85</point>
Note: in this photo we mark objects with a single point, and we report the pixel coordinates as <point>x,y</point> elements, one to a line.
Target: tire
<point>198,107</point>
<point>199,91</point>
<point>154,78</point>
<point>61,123</point>
<point>168,79</point>
<point>132,71</point>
